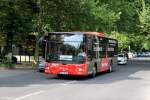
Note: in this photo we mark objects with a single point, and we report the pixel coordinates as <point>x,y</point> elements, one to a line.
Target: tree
<point>144,18</point>
<point>16,18</point>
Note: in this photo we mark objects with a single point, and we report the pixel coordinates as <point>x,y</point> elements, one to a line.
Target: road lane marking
<point>39,92</point>
<point>70,82</point>
<point>36,85</point>
<point>29,95</point>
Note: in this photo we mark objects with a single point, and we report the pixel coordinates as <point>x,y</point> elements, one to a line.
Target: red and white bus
<point>79,53</point>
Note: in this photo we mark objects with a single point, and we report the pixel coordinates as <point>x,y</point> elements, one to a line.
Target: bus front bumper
<point>67,70</point>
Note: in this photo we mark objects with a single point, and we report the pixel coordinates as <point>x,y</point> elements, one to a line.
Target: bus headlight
<point>80,69</point>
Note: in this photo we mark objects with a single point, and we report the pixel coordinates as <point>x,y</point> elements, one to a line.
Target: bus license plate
<point>64,73</point>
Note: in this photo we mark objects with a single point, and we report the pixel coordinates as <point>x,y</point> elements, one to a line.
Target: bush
<point>5,62</point>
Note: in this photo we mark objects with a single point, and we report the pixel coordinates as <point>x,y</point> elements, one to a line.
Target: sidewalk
<point>20,66</point>
<point>141,59</point>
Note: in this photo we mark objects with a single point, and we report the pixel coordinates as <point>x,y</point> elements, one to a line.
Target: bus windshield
<point>65,48</point>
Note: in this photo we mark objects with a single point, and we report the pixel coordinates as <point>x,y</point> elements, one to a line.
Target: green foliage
<point>2,39</point>
<point>15,16</point>
<point>146,45</point>
<point>144,17</point>
<point>16,21</point>
<point>116,17</point>
<point>4,63</point>
<point>75,15</point>
<point>136,42</point>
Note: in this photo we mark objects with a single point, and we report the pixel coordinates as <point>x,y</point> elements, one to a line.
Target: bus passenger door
<point>104,56</point>
<point>89,54</point>
<point>96,53</point>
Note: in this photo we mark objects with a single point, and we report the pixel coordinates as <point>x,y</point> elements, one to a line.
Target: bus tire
<point>59,76</point>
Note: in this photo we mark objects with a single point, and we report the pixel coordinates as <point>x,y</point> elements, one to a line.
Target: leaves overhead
<point>40,16</point>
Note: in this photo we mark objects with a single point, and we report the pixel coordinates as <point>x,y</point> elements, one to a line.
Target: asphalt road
<point>128,82</point>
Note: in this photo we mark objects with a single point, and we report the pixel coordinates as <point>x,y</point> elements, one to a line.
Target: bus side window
<point>104,50</point>
<point>102,46</point>
<point>96,48</point>
<point>89,47</point>
<point>81,51</point>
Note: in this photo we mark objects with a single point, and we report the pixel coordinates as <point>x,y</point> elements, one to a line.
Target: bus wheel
<point>59,76</point>
<point>94,71</point>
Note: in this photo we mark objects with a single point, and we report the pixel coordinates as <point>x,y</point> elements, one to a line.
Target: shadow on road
<point>26,78</point>
<point>123,72</point>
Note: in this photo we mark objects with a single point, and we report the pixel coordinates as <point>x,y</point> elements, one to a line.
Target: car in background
<point>143,54</point>
<point>122,59</point>
<point>41,65</point>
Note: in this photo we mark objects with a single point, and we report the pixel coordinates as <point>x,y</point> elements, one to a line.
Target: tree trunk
<point>9,49</point>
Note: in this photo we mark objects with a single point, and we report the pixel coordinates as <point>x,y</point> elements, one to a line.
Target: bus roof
<point>101,34</point>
